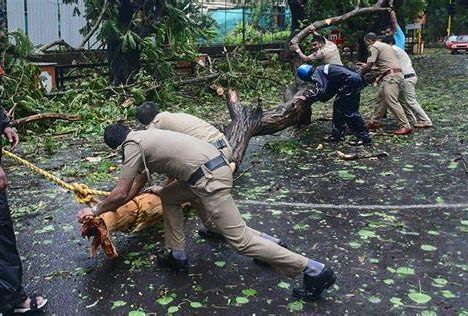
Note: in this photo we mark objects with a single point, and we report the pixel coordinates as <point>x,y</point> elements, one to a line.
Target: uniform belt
<point>388,72</point>
<point>219,144</point>
<point>409,75</point>
<point>211,165</point>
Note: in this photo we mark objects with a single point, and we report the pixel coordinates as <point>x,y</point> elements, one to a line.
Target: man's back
<point>174,154</point>
<point>405,60</point>
<point>186,124</point>
<point>384,57</point>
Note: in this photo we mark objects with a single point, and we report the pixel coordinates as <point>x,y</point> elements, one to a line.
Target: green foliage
<point>20,84</point>
<point>254,35</point>
<point>178,24</point>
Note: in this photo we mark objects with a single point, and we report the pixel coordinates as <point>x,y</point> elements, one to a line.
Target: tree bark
<point>248,122</point>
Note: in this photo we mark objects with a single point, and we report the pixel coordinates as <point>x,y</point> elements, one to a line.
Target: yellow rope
<point>82,192</point>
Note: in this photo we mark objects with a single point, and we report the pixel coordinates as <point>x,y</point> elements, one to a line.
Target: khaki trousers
<point>387,97</point>
<point>410,105</point>
<point>213,194</point>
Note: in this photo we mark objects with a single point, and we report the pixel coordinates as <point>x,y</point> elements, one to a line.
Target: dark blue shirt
<point>338,80</point>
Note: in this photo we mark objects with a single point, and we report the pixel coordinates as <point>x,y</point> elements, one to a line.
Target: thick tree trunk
<point>125,64</point>
<point>247,122</point>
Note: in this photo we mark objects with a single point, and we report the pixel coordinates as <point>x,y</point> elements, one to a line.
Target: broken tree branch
<point>364,155</point>
<point>45,116</point>
<point>304,33</point>
<point>150,88</point>
<point>95,26</point>
<point>248,122</point>
<point>45,47</point>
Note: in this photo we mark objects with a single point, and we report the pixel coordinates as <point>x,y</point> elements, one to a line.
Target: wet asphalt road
<point>388,261</point>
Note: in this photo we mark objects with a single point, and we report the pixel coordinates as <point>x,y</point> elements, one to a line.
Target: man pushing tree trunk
<point>202,175</point>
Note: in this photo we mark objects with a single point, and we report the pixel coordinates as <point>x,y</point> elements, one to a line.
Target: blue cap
<point>305,71</point>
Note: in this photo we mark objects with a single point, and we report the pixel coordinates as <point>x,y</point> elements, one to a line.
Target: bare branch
<point>45,47</point>
<point>95,26</point>
<point>299,37</point>
<point>45,116</point>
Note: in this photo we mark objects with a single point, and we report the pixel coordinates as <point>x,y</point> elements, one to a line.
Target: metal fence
<point>45,21</point>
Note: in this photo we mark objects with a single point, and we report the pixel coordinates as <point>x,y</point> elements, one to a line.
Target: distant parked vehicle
<point>457,44</point>
<point>450,40</point>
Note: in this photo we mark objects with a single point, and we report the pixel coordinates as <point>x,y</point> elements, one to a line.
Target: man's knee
<point>240,242</point>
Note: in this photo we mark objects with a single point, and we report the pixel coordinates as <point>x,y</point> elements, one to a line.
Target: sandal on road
<point>36,303</point>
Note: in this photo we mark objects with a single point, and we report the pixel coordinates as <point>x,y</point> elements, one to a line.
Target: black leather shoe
<point>313,286</point>
<point>167,260</point>
<point>266,264</point>
<point>209,234</point>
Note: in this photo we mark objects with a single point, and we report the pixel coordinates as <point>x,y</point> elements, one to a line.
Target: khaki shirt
<point>186,124</point>
<point>383,56</point>
<point>405,61</point>
<point>328,53</point>
<point>165,152</point>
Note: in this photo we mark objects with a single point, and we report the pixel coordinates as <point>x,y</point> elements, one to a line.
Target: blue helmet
<point>305,71</point>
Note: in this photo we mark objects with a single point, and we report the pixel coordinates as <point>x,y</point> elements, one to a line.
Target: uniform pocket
<point>214,180</point>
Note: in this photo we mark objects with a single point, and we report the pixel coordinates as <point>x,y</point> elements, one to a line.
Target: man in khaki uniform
<point>326,52</point>
<point>150,115</point>
<point>202,175</point>
<point>390,76</point>
<point>414,111</point>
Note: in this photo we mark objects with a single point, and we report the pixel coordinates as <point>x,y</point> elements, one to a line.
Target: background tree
<point>167,29</point>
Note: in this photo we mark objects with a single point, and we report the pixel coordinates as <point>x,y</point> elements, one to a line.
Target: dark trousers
<point>346,112</point>
<point>11,271</point>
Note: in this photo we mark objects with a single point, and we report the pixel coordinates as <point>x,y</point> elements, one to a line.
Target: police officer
<point>330,80</point>
<point>390,77</point>
<point>149,114</point>
<point>203,175</point>
<point>326,51</point>
<point>413,110</point>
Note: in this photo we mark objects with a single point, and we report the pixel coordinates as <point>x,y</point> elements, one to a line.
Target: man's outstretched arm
<point>116,199</point>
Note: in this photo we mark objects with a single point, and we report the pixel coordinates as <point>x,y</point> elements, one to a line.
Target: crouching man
<point>203,176</point>
<point>334,80</point>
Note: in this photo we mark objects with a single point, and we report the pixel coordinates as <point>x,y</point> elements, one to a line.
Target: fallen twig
<point>245,171</point>
<point>320,175</point>
<point>464,161</point>
<point>364,155</point>
<point>45,116</point>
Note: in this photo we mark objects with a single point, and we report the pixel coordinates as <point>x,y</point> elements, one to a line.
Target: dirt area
<point>403,251</point>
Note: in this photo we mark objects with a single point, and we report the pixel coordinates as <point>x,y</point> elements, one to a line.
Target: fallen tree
<point>247,122</point>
